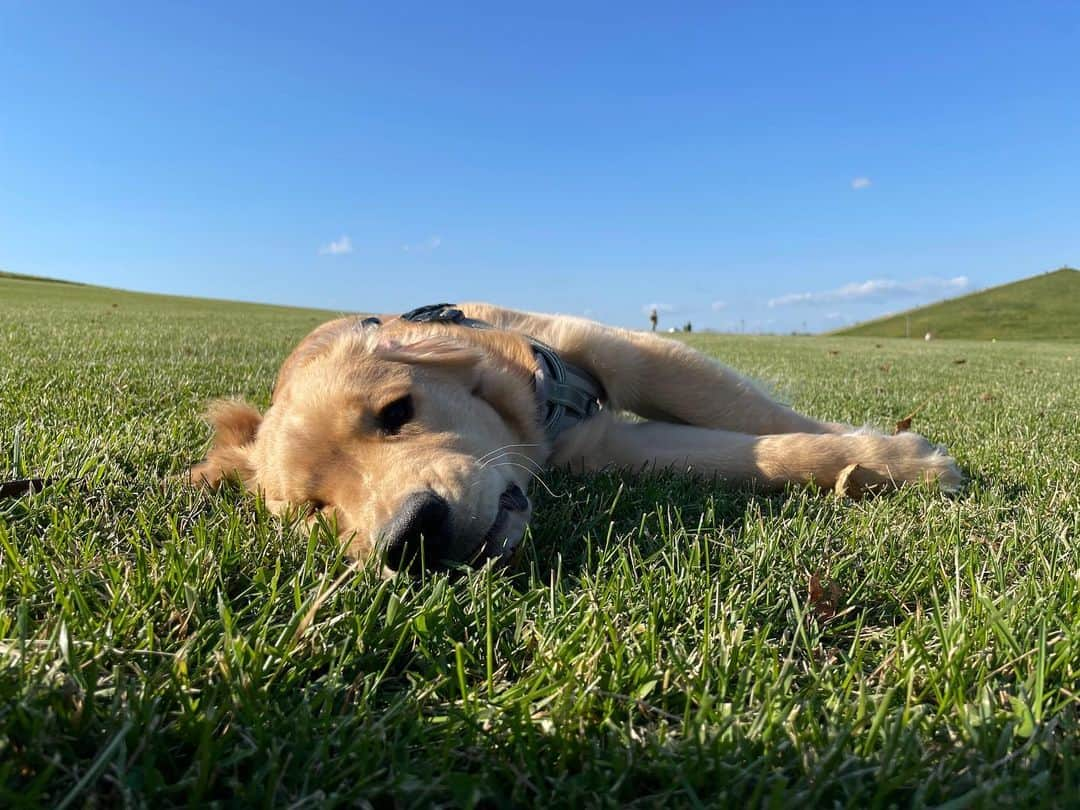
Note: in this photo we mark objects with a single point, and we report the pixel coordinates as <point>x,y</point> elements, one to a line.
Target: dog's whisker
<point>504,447</point>
<point>531,473</point>
<point>498,460</point>
<point>494,452</point>
<point>539,468</point>
<point>536,471</point>
<point>539,480</point>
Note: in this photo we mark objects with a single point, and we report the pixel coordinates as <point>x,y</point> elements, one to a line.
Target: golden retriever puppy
<point>419,433</point>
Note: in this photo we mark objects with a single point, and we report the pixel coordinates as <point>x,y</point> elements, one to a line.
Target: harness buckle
<point>435,313</point>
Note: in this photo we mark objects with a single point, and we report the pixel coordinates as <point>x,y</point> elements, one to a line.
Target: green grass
<point>1044,307</point>
<point>660,645</point>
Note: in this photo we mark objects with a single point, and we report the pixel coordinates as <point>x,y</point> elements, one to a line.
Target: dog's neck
<point>566,394</point>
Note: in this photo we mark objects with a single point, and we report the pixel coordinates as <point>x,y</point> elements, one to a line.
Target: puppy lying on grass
<point>418,434</point>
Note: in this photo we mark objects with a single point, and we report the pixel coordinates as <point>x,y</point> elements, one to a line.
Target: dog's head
<point>415,439</point>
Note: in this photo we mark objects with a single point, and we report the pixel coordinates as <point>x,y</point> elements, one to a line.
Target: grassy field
<point>1043,307</point>
<point>666,642</point>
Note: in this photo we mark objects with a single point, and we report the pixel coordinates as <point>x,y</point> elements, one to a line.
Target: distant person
<point>688,327</point>
<point>654,318</point>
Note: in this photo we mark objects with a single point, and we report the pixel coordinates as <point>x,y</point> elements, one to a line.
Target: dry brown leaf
<point>905,423</point>
<point>986,396</point>
<point>833,352</point>
<point>885,367</point>
<point>856,482</point>
<point>843,481</point>
<point>824,598</point>
<point>960,361</point>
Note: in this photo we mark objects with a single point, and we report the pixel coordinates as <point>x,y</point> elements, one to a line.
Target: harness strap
<point>443,313</point>
<point>567,394</point>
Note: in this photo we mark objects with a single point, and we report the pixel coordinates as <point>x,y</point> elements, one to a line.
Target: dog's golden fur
<point>474,429</point>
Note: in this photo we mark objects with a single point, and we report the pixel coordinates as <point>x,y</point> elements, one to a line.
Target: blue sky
<point>759,166</point>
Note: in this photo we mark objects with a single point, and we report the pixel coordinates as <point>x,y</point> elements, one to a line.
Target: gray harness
<point>567,395</point>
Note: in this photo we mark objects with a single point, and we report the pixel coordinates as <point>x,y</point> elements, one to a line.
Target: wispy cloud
<point>339,247</point>
<point>875,288</point>
<point>859,183</point>
<point>718,305</point>
<point>428,245</point>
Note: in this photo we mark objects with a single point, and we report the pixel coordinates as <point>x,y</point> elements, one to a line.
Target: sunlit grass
<point>661,643</point>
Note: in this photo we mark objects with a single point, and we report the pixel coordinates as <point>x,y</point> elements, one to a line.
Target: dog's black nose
<point>418,533</point>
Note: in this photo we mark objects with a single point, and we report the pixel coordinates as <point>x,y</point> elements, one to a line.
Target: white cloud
<point>338,247</point>
<point>718,305</point>
<point>428,245</point>
<point>792,298</point>
<point>875,288</point>
<point>859,183</point>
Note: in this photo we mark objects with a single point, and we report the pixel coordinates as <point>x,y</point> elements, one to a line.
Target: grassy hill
<point>22,277</point>
<point>1045,307</point>
<point>668,641</point>
<point>48,294</point>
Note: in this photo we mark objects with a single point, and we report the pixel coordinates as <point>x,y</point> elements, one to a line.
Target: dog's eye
<point>395,415</point>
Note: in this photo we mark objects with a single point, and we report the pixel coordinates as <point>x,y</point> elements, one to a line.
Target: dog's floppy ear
<point>438,350</point>
<point>235,424</point>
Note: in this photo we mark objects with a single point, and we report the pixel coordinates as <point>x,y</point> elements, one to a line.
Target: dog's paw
<point>942,469</point>
<point>885,462</point>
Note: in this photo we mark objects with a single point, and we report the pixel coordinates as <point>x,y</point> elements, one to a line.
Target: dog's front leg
<point>672,382</point>
<point>659,378</point>
<point>769,461</point>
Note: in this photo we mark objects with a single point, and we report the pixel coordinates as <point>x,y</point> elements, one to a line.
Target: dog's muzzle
<point>503,539</point>
<point>418,537</point>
